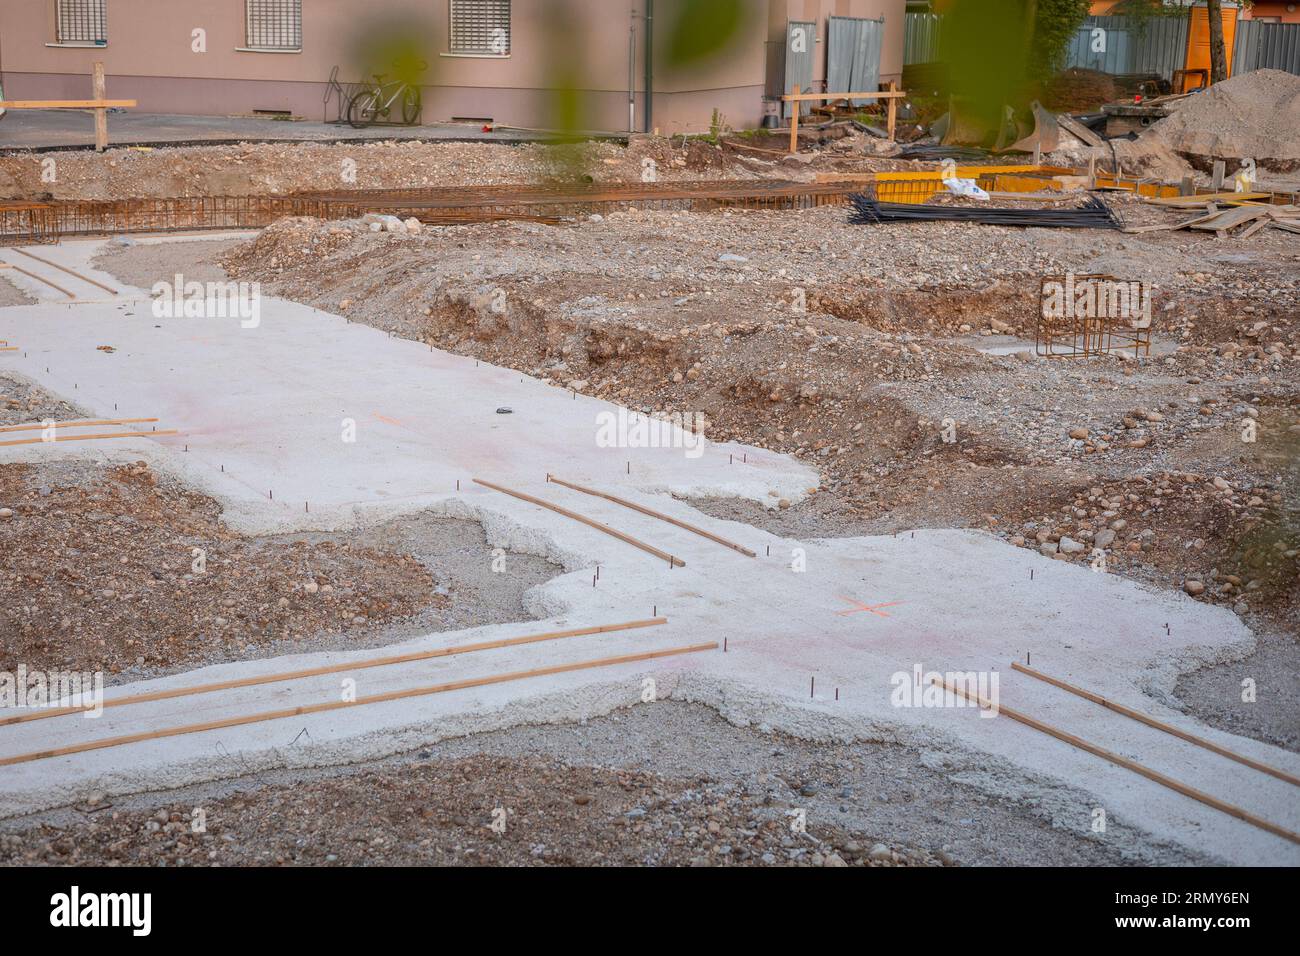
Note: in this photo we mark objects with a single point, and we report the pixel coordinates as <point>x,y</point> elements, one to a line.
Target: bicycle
<point>374,101</point>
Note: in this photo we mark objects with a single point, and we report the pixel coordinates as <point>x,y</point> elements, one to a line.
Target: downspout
<point>649,65</point>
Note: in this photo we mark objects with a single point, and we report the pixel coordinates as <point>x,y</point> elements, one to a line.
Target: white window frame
<point>66,10</point>
<point>488,9</point>
<point>272,7</point>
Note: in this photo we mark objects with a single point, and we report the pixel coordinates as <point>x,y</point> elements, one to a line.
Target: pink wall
<point>149,57</point>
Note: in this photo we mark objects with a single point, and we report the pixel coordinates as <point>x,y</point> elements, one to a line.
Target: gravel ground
<point>695,313</point>
<point>10,294</point>
<point>660,784</point>
<point>143,265</point>
<point>22,402</point>
<point>104,563</point>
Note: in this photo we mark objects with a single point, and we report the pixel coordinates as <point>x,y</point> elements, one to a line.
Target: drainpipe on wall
<point>649,65</point>
<point>631,75</point>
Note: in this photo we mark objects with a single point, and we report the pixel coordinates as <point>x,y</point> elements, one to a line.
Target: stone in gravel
<point>1194,588</point>
<point>1104,539</point>
<point>879,853</point>
<point>1079,434</point>
<point>6,512</point>
<point>1070,546</point>
<point>1048,549</point>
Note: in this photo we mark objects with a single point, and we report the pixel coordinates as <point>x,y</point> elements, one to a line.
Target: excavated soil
<point>659,784</point>
<point>114,569</point>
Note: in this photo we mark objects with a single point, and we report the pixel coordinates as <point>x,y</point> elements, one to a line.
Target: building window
<point>480,27</point>
<point>82,21</point>
<point>273,24</point>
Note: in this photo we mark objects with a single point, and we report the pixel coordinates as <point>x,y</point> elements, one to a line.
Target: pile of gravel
<point>1255,115</point>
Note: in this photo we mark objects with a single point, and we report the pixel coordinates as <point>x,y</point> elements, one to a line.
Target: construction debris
<point>1093,214</point>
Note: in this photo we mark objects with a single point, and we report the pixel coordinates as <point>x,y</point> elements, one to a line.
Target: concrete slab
<point>815,631</point>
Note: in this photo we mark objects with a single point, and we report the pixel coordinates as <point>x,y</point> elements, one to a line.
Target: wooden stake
<point>892,125</point>
<point>655,514</point>
<point>337,669</point>
<point>1159,725</point>
<point>100,92</point>
<point>1205,798</point>
<point>359,702</point>
<point>77,275</point>
<point>794,124</point>
<point>626,538</point>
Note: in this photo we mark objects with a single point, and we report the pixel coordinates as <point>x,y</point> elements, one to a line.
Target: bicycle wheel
<point>363,109</point>
<point>411,105</point>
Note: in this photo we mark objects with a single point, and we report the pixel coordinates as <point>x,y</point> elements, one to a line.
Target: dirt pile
<point>1253,116</point>
<point>119,569</point>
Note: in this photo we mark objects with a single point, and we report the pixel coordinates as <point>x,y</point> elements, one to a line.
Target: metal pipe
<point>649,65</point>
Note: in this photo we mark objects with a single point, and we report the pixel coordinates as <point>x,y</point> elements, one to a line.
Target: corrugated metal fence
<point>853,55</point>
<point>800,47</point>
<point>921,38</point>
<point>1266,46</point>
<point>1156,44</point>
<point>1119,45</point>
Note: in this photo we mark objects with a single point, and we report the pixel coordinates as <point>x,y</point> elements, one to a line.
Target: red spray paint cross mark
<point>861,608</point>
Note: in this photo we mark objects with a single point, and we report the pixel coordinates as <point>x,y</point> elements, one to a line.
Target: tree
<point>1218,51</point>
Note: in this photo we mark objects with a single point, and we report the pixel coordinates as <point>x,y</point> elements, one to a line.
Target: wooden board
<point>626,538</point>
<point>1126,763</point>
<point>653,514</point>
<point>67,104</point>
<point>1075,128</point>
<point>1228,220</point>
<point>359,702</point>
<point>370,663</point>
<point>1191,202</point>
<point>1158,724</point>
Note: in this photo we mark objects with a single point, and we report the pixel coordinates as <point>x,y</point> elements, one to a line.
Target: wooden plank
<point>75,275</point>
<point>1230,219</point>
<point>359,702</point>
<point>338,669</point>
<point>626,538</point>
<point>1075,128</point>
<point>890,94</point>
<point>42,441</point>
<point>1126,763</point>
<point>1288,226</point>
<point>1263,222</point>
<point>77,424</point>
<point>33,275</point>
<point>1186,202</point>
<point>653,514</point>
<point>1159,725</point>
<point>67,104</point>
<point>1160,227</point>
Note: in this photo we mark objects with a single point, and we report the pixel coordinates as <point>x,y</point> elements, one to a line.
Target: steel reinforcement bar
<point>34,222</point>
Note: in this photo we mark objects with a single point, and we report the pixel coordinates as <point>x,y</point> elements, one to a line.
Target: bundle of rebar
<point>932,153</point>
<point>1093,214</point>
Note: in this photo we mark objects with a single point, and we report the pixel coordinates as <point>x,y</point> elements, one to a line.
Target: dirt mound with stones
<point>1253,116</point>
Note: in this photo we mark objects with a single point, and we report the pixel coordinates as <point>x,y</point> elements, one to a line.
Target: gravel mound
<point>1256,116</point>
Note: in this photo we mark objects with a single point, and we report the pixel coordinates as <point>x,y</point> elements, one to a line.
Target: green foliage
<point>999,51</point>
<point>702,29</point>
<point>1055,26</point>
<point>401,46</point>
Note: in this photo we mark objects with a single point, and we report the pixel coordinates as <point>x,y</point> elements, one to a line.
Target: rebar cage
<point>1081,316</point>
